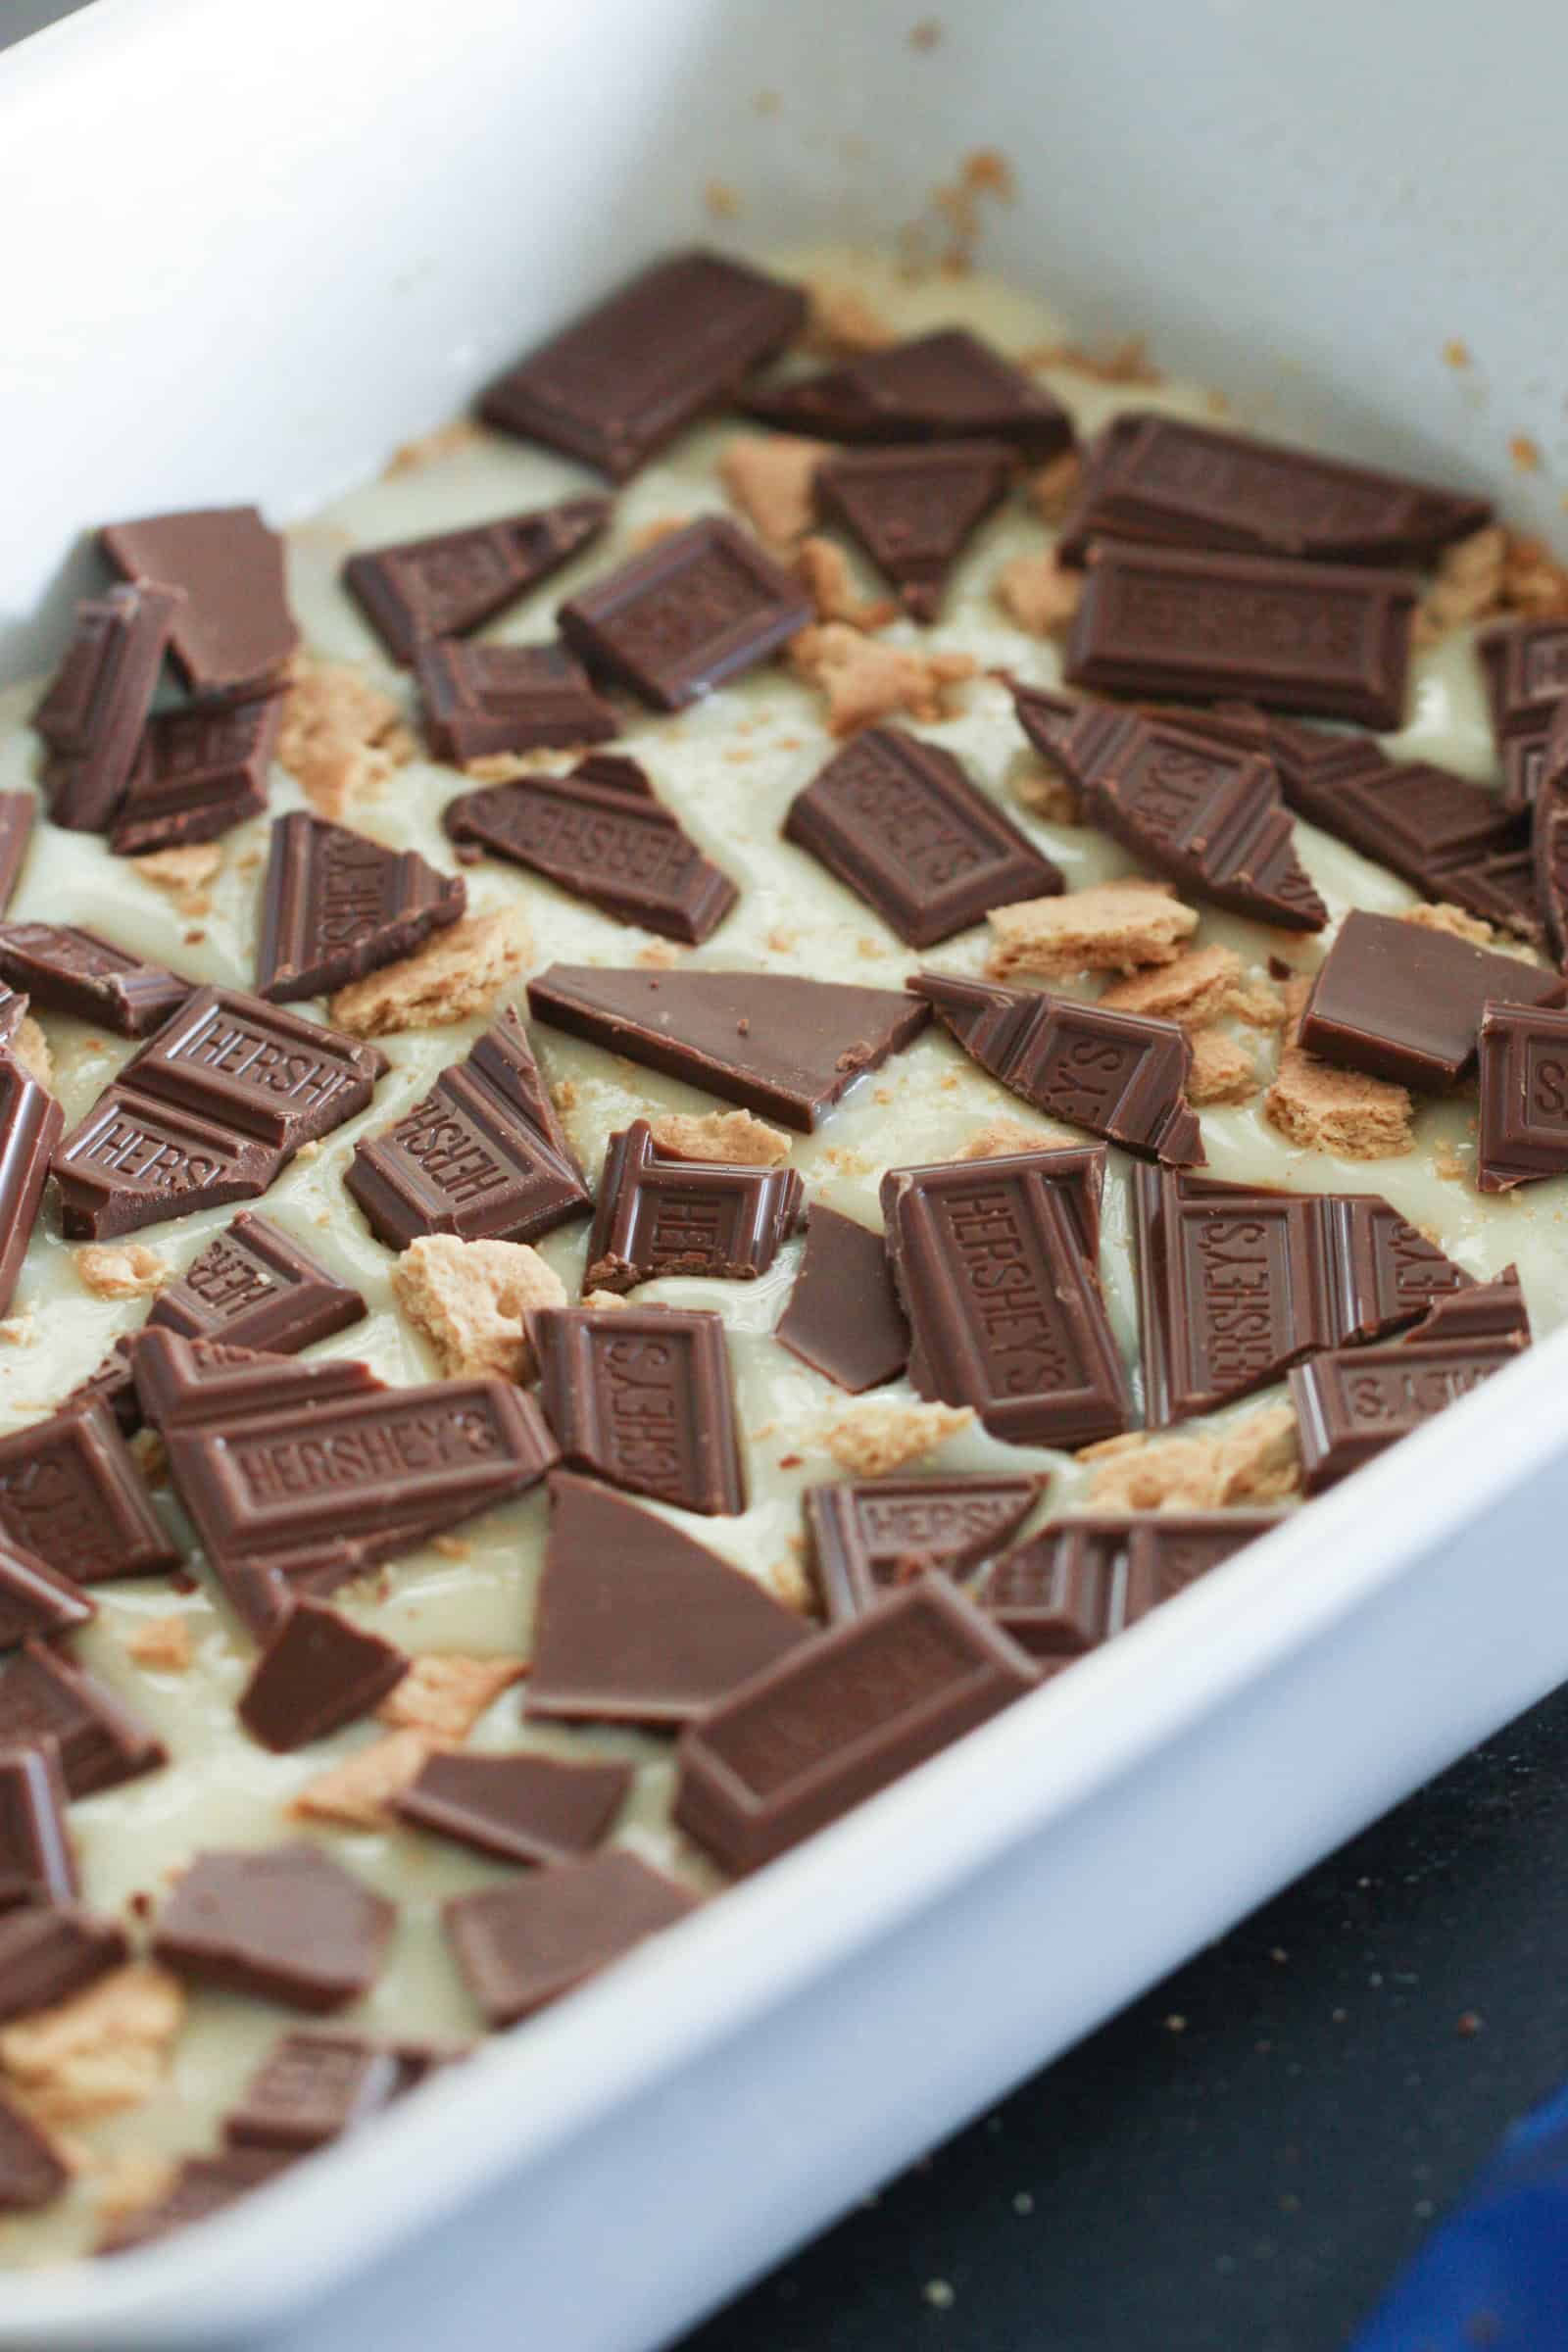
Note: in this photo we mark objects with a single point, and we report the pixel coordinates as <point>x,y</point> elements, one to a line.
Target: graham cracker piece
<point>1038,594</point>
<point>358,1790</point>
<point>999,1137</point>
<point>771,477</point>
<point>824,571</point>
<point>1194,989</point>
<point>875,1439</point>
<point>1047,793</point>
<point>445,1693</point>
<point>865,679</point>
<point>1456,921</point>
<point>340,736</point>
<point>605,1299</point>
<point>733,1138</point>
<point>456,973</point>
<point>1258,1003</point>
<point>121,1269</point>
<point>161,1643</point>
<point>472,1301</point>
<point>130,2178</point>
<point>1468,586</point>
<point>840,321</point>
<point>1124,363</point>
<point>1258,1459</point>
<point>1222,1071</point>
<point>1324,1108</point>
<point>1054,487</point>
<point>183,874</point>
<point>31,1048</point>
<point>428,449</point>
<point>1110,927</point>
<point>101,2051</point>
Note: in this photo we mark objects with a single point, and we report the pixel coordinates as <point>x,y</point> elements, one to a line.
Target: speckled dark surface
<point>1240,2162</point>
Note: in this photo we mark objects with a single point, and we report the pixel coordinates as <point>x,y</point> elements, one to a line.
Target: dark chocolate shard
<point>449,584</point>
<point>232,635</point>
<point>199,772</point>
<point>1185,625</point>
<point>1526,666</point>
<point>316,1673</point>
<point>844,1318</point>
<point>66,970</point>
<point>599,834</point>
<point>838,1720</point>
<point>1081,1581</point>
<point>945,386</point>
<point>482,1156</point>
<point>867,1536</point>
<point>44,1696</point>
<point>1549,859</point>
<point>211,1384</point>
<point>247,1065</point>
<point>36,1602</point>
<point>17,810</point>
<point>1524,1096</point>
<point>255,1286</point>
<point>31,1125</point>
<point>1404,1003</point>
<point>37,1862</point>
<point>72,1492</point>
<point>659,1216</point>
<point>627,376</point>
<point>517,1808</point>
<point>93,715</point>
<point>699,606</point>
<point>1235,1282</point>
<point>641,1396</point>
<point>203,2188</point>
<point>915,511</point>
<point>1121,1075</point>
<point>133,1162</point>
<point>49,1951</point>
<point>336,905</point>
<point>479,700</point>
<point>1524,763</point>
<point>32,2171</point>
<point>12,1013</point>
<point>782,1046</point>
<point>520,1946</point>
<point>898,821</point>
<point>285,1924</point>
<point>997,1266</point>
<point>638,1624</point>
<point>311,2087</point>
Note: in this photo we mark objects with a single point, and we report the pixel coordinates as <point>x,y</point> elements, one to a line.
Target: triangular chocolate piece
<point>780,1046</point>
<point>133,1162</point>
<point>868,1534</point>
<point>233,634</point>
<point>44,1694</point>
<point>945,386</point>
<point>255,1286</point>
<point>844,1318</point>
<point>638,1624</point>
<point>93,713</point>
<point>520,1808</point>
<point>915,511</point>
<point>35,1601</point>
<point>446,585</point>
<point>336,905</point>
<point>316,1673</point>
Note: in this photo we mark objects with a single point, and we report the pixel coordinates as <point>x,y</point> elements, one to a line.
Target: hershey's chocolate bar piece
<point>49,1951</point>
<point>44,1696</point>
<point>867,1534</point>
<point>843,1317</point>
<point>316,1673</point>
<point>1549,857</point>
<point>1405,1003</point>
<point>32,2172</point>
<point>699,606</point>
<point>232,1059</point>
<point>71,1491</point>
<point>945,386</point>
<point>16,832</point>
<point>93,713</point>
<point>449,584</point>
<point>66,970</point>
<point>132,1161</point>
<point>1235,1282</point>
<point>211,1384</point>
<point>254,1286</point>
<point>1524,763</point>
<point>203,2188</point>
<point>477,700</point>
<point>482,1156</point>
<point>899,822</point>
<point>915,509</point>
<point>1121,1075</point>
<point>37,1862</point>
<point>638,1624</point>
<point>311,2087</point>
<point>815,1734</point>
<point>199,773</point>
<point>780,1046</point>
<point>284,1924</point>
<point>1502,889</point>
<point>599,834</point>
<point>232,634</point>
<point>1081,1581</point>
<point>657,1216</point>
<point>1526,664</point>
<point>997,1264</point>
<point>1166,478</point>
<point>1193,626</point>
<point>31,1125</point>
<point>522,1945</point>
<point>1524,1096</point>
<point>642,1396</point>
<point>336,905</point>
<point>35,1601</point>
<point>625,377</point>
<point>520,1809</point>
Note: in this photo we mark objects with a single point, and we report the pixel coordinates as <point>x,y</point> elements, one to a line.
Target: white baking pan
<point>247,249</point>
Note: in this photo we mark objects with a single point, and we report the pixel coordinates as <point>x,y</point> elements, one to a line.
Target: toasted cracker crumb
<point>1124,363</point>
<point>999,1138</point>
<point>1535,584</point>
<point>1038,594</point>
<point>19,1330</point>
<point>603,1299</point>
<point>128,2179</point>
<point>865,679</point>
<point>789,1583</point>
<point>1469,585</point>
<point>840,321</point>
<point>733,1137</point>
<point>1194,989</point>
<point>1047,793</point>
<point>102,2050</point>
<point>1324,1108</point>
<point>770,477</point>
<point>1258,1003</point>
<point>1524,452</point>
<point>184,873</point>
<point>452,1548</point>
<point>341,737</point>
<point>162,1642</point>
<point>31,1048</point>
<point>119,1269</point>
<point>927,34</point>
<point>1222,1071</point>
<point>444,1693</point>
<point>458,972</point>
<point>472,1301</point>
<point>1110,927</point>
<point>877,1438</point>
<point>1448,1164</point>
<point>1258,1459</point>
<point>1456,921</point>
<point>445,441</point>
<point>649,534</point>
<point>823,571</point>
<point>721,201</point>
<point>1054,487</point>
<point>358,1790</point>
<point>659,955</point>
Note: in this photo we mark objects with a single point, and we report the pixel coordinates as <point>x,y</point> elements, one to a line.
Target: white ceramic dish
<point>246,252</point>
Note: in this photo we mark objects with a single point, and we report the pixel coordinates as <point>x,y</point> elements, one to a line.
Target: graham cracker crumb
<point>823,571</point>
<point>733,1137</point>
<point>31,1048</point>
<point>1456,921</point>
<point>129,2180</point>
<point>771,477</point>
<point>341,737</point>
<point>456,973</point>
<point>445,441</point>
<point>1124,363</point>
<point>1456,351</point>
<point>659,955</point>
<point>452,1548</point>
<point>1047,793</point>
<point>358,1790</point>
<point>121,1269</point>
<point>1222,1071</point>
<point>841,321</point>
<point>603,1299</point>
<point>1524,452</point>
<point>1535,584</point>
<point>789,1583</point>
<point>1324,1108</point>
<point>184,873</point>
<point>103,2051</point>
<point>875,1439</point>
<point>1448,1164</point>
<point>649,534</point>
<point>1110,927</point>
<point>444,1693</point>
<point>865,680</point>
<point>1468,587</point>
<point>162,1642</point>
<point>1258,1003</point>
<point>1194,989</point>
<point>472,1301</point>
<point>17,1331</point>
<point>927,34</point>
<point>1038,594</point>
<point>1054,487</point>
<point>721,201</point>
<point>1258,1459</point>
<point>999,1138</point>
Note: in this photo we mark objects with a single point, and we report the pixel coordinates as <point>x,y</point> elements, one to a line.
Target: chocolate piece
<point>285,1924</point>
<point>599,834</point>
<point>232,635</point>
<point>867,1535</point>
<point>1165,478</point>
<point>899,822</point>
<point>1549,859</point>
<point>946,386</point>
<point>92,715</point>
<point>482,1156</point>
<point>203,2188</point>
<point>37,1862</point>
<point>255,1286</point>
<point>316,1673</point>
<point>520,1809</point>
<point>996,1264</point>
<point>207,1383</point>
<point>449,584</point>
<point>36,1602</point>
<point>12,1013</point>
<point>821,1730</point>
<point>32,2173</point>
<point>1081,1581</point>
<point>133,1162</point>
<point>625,377</point>
<point>780,1046</point>
<point>311,2087</point>
<point>1237,1282</point>
<point>1191,627</point>
<point>16,832</point>
<point>336,905</point>
<point>65,970</point>
<point>1487,1310</point>
<point>915,511</point>
<point>1405,1003</point>
<point>477,700</point>
<point>642,1396</point>
<point>659,1216</point>
<point>198,774</point>
<point>638,1624</point>
<point>247,1065</point>
<point>30,1124</point>
<point>72,1492</point>
<point>1524,1096</point>
<point>699,606</point>
<point>1524,761</point>
<point>520,1947</point>
<point>1209,816</point>
<point>114,1387</point>
<point>1119,1074</point>
<point>1526,666</point>
<point>49,1951</point>
<point>843,1317</point>
<point>45,1696</point>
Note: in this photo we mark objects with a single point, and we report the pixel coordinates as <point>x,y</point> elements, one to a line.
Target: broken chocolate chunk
<point>232,635</point>
<point>239,1062</point>
<point>868,1534</point>
<point>254,1286</point>
<point>65,970</point>
<point>133,1162</point>
<point>30,1124</point>
<point>642,1396</point>
<point>945,386</point>
<point>659,1216</point>
<point>1404,1003</point>
<point>520,1947</point>
<point>199,773</point>
<point>1524,1096</point>
<point>49,1951</point>
<point>336,905</point>
<point>519,1809</point>
<point>479,700</point>
<point>93,715</point>
<point>843,1317</point>
<point>915,511</point>
<point>285,1924</point>
<point>697,607</point>
<point>311,2087</point>
<point>32,2172</point>
<point>449,584</point>
<point>35,1601</point>
<point>203,2188</point>
<point>72,1492</point>
<point>316,1673</point>
<point>37,1862</point>
<point>1526,664</point>
<point>101,1742</point>
<point>16,832</point>
<point>1081,1582</point>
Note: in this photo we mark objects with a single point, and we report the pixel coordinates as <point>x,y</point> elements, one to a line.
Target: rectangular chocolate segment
<point>232,633</point>
<point>133,1162</point>
<point>35,1601</point>
<point>17,810</point>
<point>448,584</point>
<point>1404,1002</point>
<point>49,1951</point>
<point>477,700</point>
<point>240,1063</point>
<point>336,905</point>
<point>71,1491</point>
<point>199,772</point>
<point>30,1124</point>
<point>93,713</point>
<point>944,387</point>
<point>840,1719</point>
<point>32,2171</point>
<point>699,606</point>
<point>868,1534</point>
<point>1526,662</point>
<point>100,1741</point>
<point>1524,1096</point>
<point>66,970</point>
<point>1081,1581</point>
<point>1548,856</point>
<point>255,1286</point>
<point>641,1396</point>
<point>1353,1403</point>
<point>659,1216</point>
<point>37,1862</point>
